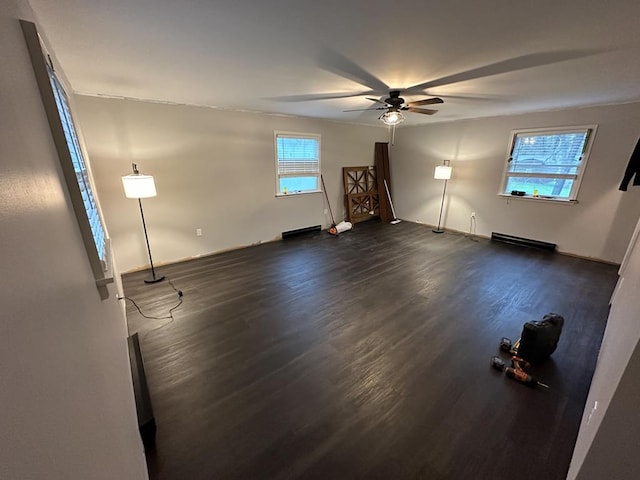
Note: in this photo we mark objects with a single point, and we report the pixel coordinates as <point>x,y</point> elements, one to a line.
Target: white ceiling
<point>483,58</point>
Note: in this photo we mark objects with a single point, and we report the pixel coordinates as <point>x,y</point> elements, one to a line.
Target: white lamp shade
<point>443,172</point>
<point>139,186</point>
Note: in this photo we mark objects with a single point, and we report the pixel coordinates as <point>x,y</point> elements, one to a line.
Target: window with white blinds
<point>79,166</point>
<point>72,162</point>
<point>547,164</point>
<point>297,163</point>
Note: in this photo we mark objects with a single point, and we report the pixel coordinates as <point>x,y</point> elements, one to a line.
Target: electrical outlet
<point>326,211</point>
<point>473,214</point>
<point>198,232</point>
<point>593,410</point>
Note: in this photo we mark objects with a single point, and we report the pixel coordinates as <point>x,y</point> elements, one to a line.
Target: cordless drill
<point>517,372</point>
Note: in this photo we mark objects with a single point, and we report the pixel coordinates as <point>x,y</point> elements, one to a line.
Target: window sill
<point>106,280</point>
<point>295,194</point>
<point>541,198</point>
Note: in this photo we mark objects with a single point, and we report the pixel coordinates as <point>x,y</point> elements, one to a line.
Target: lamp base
<point>153,279</point>
<point>437,230</point>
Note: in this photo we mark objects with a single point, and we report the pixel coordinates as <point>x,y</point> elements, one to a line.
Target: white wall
<point>214,170</point>
<point>599,226</point>
<point>66,399</point>
<point>614,451</point>
<point>608,439</point>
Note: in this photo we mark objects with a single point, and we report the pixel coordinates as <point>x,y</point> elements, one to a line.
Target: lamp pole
<point>444,190</point>
<point>442,172</point>
<point>153,278</point>
<point>141,186</point>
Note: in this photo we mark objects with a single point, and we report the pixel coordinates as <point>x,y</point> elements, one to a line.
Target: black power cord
<point>169,315</point>
<point>472,229</point>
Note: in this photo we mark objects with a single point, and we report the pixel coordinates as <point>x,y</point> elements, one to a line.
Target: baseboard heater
<point>300,231</point>
<point>146,419</point>
<point>525,242</point>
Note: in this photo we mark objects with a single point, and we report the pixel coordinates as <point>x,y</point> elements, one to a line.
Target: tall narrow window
<point>72,162</point>
<point>297,163</point>
<point>548,164</point>
<point>79,166</point>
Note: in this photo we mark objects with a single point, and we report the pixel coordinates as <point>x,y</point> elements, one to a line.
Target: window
<point>56,104</point>
<point>547,164</point>
<point>297,163</point>
<point>79,166</point>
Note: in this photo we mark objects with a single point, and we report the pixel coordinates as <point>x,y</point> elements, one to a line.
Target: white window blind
<point>79,166</point>
<point>297,155</point>
<point>297,162</point>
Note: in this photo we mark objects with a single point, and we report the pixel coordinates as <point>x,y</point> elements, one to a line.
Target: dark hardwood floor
<point>366,356</point>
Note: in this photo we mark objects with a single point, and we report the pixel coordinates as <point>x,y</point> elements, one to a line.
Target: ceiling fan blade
<point>366,109</point>
<point>335,63</point>
<point>477,98</point>
<point>319,96</point>
<point>427,101</point>
<point>510,65</point>
<point>425,111</point>
<point>377,100</point>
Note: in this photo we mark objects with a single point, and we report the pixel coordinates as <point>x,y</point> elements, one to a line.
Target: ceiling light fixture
<point>392,118</point>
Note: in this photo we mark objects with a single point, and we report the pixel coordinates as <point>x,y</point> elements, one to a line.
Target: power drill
<point>517,372</point>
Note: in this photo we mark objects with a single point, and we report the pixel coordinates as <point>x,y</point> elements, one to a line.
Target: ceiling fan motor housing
<point>395,100</point>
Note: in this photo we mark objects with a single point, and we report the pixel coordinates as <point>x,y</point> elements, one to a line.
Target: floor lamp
<point>443,172</point>
<point>140,186</point>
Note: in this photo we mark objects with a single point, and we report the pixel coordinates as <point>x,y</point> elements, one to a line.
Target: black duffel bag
<point>540,339</point>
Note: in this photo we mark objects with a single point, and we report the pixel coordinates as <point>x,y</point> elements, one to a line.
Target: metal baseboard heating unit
<point>144,409</point>
<point>524,242</point>
<point>300,231</point>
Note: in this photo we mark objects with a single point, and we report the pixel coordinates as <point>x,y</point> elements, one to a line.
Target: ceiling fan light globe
<point>392,118</point>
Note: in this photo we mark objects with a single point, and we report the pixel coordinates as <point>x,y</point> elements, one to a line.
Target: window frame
<point>45,74</point>
<point>278,175</point>
<point>590,130</point>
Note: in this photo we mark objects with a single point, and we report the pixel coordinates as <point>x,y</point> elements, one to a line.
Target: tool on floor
<point>332,229</point>
<point>393,210</point>
<point>521,363</point>
<point>515,347</point>
<point>539,339</point>
<point>505,344</point>
<point>518,373</point>
<point>497,363</point>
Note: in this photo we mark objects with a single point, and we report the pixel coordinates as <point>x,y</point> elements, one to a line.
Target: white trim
<point>577,177</point>
<point>564,201</point>
<point>302,135</point>
<point>52,87</point>
<point>627,254</point>
<point>295,194</point>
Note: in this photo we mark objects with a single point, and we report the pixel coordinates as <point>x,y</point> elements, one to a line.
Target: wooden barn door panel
<point>361,193</point>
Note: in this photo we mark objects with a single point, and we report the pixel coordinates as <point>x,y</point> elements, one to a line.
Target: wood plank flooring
<point>366,356</point>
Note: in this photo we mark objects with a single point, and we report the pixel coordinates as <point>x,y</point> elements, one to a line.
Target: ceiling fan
<point>334,62</point>
<point>395,105</point>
